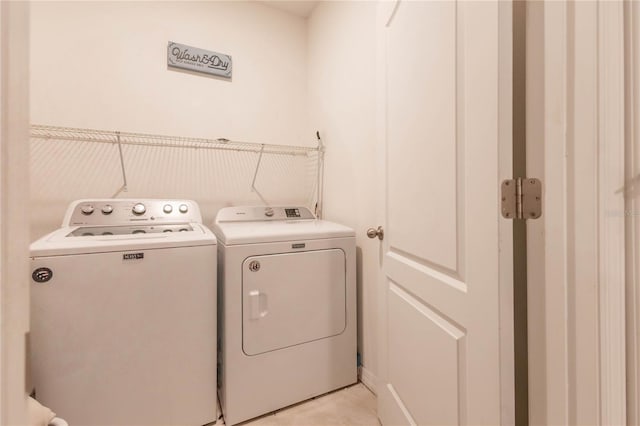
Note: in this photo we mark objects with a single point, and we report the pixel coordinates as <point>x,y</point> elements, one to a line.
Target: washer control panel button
<point>118,211</point>
<point>139,209</point>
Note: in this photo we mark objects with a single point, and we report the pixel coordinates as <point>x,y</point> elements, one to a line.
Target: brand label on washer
<point>42,275</point>
<point>132,256</point>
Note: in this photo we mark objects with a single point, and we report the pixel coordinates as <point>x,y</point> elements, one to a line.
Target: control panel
<point>252,214</point>
<point>118,211</point>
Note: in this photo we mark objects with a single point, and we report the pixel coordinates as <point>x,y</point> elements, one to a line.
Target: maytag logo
<point>132,256</point>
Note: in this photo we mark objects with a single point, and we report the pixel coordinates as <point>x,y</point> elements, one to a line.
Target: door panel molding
<point>437,341</point>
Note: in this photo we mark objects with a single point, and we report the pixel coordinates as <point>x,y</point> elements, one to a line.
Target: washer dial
<point>87,209</point>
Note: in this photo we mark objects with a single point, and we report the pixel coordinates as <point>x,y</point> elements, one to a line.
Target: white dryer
<point>123,314</point>
<point>287,308</point>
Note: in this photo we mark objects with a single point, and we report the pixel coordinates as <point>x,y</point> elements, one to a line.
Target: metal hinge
<point>521,198</point>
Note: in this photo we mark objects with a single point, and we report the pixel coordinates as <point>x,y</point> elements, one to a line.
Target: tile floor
<point>352,406</point>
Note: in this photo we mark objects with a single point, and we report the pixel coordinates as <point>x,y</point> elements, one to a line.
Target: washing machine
<point>123,314</point>
<point>287,308</point>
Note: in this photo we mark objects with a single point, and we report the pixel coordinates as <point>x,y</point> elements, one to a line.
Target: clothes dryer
<point>287,308</point>
<point>123,314</point>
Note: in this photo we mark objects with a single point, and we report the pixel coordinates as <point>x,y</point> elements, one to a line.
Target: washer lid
<point>251,225</point>
<point>84,240</point>
<point>234,233</point>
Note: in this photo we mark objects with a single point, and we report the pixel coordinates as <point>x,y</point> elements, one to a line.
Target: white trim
<point>576,250</point>
<point>505,227</point>
<point>535,132</point>
<point>611,212</point>
<point>383,15</point>
<point>555,244</point>
<point>368,379</point>
<point>632,259</point>
<point>14,197</point>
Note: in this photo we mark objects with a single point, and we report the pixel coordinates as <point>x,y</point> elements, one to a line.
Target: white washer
<point>123,314</point>
<point>287,308</point>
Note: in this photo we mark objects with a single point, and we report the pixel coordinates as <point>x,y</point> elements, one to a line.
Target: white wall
<point>342,52</point>
<point>102,65</point>
<point>14,187</point>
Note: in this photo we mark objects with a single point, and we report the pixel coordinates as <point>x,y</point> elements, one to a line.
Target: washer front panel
<point>126,338</point>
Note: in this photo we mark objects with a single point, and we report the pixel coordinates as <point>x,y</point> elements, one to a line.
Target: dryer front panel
<point>292,298</point>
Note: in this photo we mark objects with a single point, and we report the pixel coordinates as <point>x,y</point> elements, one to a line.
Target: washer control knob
<point>268,212</point>
<point>107,209</point>
<point>183,208</point>
<point>87,209</point>
<point>168,208</point>
<point>139,209</point>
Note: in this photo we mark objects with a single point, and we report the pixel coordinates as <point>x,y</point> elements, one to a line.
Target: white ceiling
<point>300,8</point>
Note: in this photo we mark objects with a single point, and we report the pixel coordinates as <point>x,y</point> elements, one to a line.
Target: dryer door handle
<point>257,305</point>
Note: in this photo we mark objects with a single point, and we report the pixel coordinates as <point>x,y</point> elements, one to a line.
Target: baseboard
<point>368,379</point>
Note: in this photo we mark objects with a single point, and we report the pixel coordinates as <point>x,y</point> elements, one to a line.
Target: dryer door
<point>292,298</point>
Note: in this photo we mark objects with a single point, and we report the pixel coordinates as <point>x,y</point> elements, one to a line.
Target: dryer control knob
<point>168,208</point>
<point>139,209</point>
<point>87,209</point>
<point>183,208</point>
<point>107,209</point>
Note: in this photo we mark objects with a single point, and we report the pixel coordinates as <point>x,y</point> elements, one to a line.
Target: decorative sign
<point>200,60</point>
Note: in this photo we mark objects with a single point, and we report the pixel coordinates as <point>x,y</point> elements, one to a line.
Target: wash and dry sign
<point>200,60</point>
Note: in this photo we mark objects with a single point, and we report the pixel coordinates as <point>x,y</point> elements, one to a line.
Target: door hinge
<point>522,198</point>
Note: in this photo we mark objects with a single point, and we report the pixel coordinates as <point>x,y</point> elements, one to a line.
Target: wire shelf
<point>72,163</point>
<point>143,139</point>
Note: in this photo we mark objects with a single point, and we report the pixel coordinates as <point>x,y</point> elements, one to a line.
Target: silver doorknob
<point>372,233</point>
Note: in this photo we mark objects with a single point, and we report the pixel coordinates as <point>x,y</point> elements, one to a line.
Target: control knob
<point>107,209</point>
<point>139,209</point>
<point>167,208</point>
<point>87,209</point>
<point>183,208</point>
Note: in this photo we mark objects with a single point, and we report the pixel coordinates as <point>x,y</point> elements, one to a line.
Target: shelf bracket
<point>123,188</point>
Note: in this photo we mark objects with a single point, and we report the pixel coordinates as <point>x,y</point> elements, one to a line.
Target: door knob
<point>372,233</point>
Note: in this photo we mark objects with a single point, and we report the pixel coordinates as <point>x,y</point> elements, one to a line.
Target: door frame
<point>14,199</point>
<point>632,140</point>
<point>575,120</point>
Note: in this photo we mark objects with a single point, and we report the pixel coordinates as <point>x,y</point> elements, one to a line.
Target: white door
<point>446,297</point>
